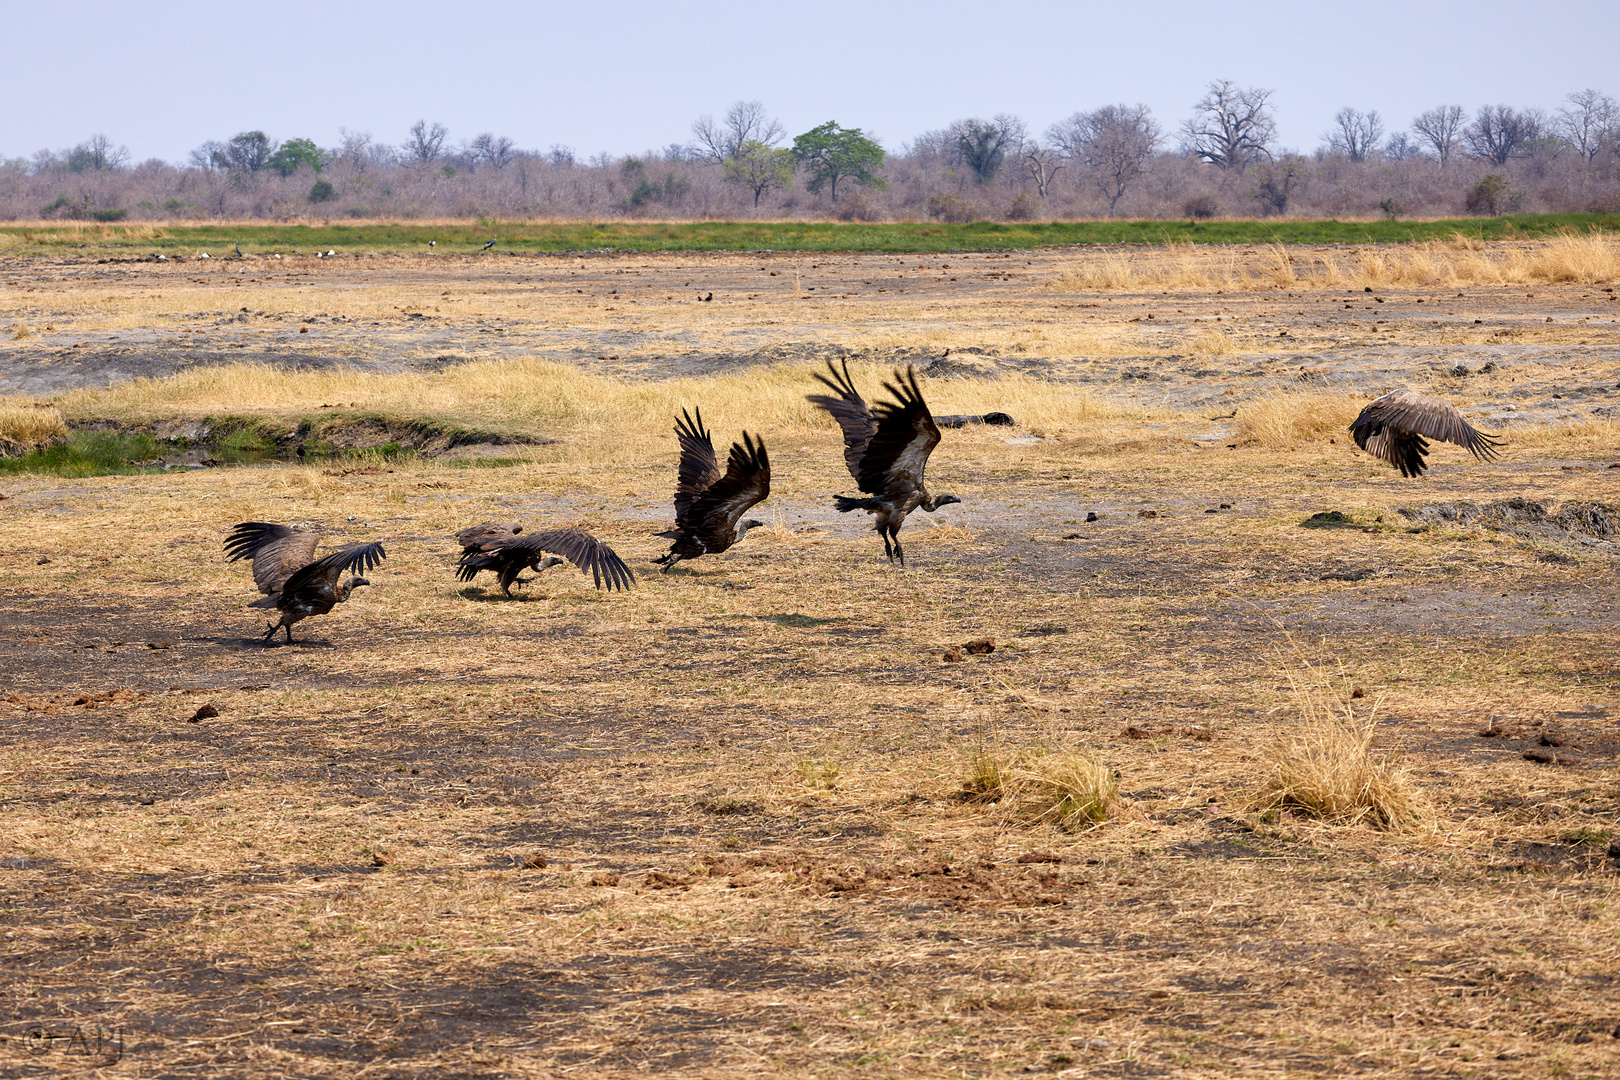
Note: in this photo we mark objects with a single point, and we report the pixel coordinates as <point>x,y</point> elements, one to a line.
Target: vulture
<point>295,582</point>
<point>507,550</point>
<point>886,453</point>
<point>707,504</point>
<point>1397,427</point>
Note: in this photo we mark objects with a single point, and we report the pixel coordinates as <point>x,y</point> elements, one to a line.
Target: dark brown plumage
<point>709,506</point>
<point>886,453</point>
<point>1396,427</point>
<point>498,547</point>
<point>293,581</point>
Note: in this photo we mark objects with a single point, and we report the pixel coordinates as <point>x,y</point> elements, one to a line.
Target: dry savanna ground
<point>1281,765</point>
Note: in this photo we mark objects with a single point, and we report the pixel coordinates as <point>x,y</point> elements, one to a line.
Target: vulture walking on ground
<point>1397,427</point>
<point>886,453</point>
<point>709,506</point>
<point>508,550</point>
<point>295,582</point>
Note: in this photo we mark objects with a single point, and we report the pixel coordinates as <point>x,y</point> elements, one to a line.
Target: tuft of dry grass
<point>29,425</point>
<point>1064,788</point>
<point>1327,766</point>
<point>1282,420</point>
<point>20,331</point>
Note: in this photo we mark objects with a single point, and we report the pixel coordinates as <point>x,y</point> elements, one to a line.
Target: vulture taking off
<point>707,504</point>
<point>293,580</point>
<point>1397,426</point>
<point>886,453</point>
<point>498,546</point>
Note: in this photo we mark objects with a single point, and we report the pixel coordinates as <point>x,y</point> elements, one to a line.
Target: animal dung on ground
<point>534,861</point>
<point>952,655</point>
<point>604,879</point>
<point>980,646</point>
<point>207,712</point>
<point>1147,513</point>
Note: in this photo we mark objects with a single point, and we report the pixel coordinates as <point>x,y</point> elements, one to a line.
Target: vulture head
<point>350,585</point>
<point>744,526</point>
<point>938,501</point>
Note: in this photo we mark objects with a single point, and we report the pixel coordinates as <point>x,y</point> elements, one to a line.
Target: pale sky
<point>164,76</point>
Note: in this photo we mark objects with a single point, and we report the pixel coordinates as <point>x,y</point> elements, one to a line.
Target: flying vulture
<point>295,582</point>
<point>508,551</point>
<point>707,504</point>
<point>1397,426</point>
<point>885,453</point>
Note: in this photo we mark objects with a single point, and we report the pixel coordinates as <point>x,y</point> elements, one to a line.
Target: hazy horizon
<point>166,78</point>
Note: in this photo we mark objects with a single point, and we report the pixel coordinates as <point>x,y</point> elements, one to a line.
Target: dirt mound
<point>1581,523</point>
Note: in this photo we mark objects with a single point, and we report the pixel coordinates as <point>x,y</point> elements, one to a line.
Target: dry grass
<point>29,424</point>
<point>1064,788</point>
<point>1327,766</point>
<point>1589,258</point>
<point>1281,420</point>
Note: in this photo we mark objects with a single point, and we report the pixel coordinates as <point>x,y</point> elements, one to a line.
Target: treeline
<point>1113,161</point>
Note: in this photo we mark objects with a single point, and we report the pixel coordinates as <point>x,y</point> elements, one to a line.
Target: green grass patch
<point>88,453</point>
<point>519,237</point>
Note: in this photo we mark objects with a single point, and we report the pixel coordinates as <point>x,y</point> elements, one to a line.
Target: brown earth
<point>717,825</point>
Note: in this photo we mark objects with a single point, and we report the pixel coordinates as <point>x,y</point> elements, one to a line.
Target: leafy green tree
<point>293,154</point>
<point>832,153</point>
<point>248,152</point>
<point>760,168</point>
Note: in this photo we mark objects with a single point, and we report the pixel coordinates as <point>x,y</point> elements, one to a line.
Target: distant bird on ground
<point>238,244</point>
<point>433,243</point>
<point>708,506</point>
<point>489,245</point>
<point>292,579</point>
<point>507,550</point>
<point>705,299</point>
<point>1396,428</point>
<point>886,453</point>
<point>204,255</point>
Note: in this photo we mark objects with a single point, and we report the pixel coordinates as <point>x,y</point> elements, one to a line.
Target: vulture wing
<point>478,537</point>
<point>319,579</point>
<point>699,470</point>
<point>580,548</point>
<point>1395,426</point>
<point>906,435</point>
<point>747,481</point>
<point>277,551</point>
<point>851,413</point>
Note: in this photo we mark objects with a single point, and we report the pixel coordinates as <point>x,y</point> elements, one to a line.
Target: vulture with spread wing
<point>1397,427</point>
<point>709,506</point>
<point>295,582</point>
<point>886,453</point>
<point>509,551</point>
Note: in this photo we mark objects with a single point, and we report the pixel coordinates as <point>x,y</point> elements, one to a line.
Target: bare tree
<point>1041,163</point>
<point>426,142</point>
<point>560,156</point>
<point>1441,128</point>
<point>1232,126</point>
<point>1114,143</point>
<point>1500,132</point>
<point>746,121</point>
<point>1401,146</point>
<point>207,156</point>
<point>97,154</point>
<point>496,151</point>
<point>982,146</point>
<point>247,152</point>
<point>356,150</point>
<point>1590,122</point>
<point>1355,134</point>
<point>1276,180</point>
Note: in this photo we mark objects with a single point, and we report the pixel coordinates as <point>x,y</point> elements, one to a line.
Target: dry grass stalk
<point>20,332</point>
<point>1287,419</point>
<point>1328,768</point>
<point>1065,788</point>
<point>30,425</point>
